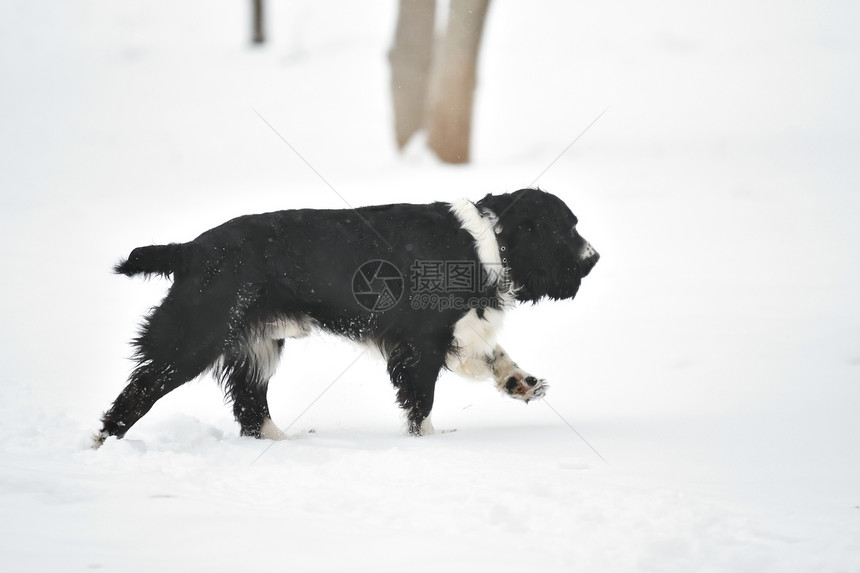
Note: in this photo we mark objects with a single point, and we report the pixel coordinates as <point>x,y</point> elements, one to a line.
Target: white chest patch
<point>475,340</point>
<point>474,336</point>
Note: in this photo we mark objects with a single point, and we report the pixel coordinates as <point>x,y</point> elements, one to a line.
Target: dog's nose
<point>588,263</point>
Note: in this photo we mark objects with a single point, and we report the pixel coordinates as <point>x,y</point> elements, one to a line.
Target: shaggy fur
<point>240,289</point>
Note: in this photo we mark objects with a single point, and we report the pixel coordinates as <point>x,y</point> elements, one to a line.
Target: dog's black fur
<point>234,282</point>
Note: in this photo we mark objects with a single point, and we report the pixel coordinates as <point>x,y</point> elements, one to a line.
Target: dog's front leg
<point>513,380</point>
<point>414,369</point>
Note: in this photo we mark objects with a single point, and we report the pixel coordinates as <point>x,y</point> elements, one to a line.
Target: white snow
<point>712,357</point>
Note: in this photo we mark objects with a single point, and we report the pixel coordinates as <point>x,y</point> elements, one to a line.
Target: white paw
<point>97,440</point>
<point>270,431</point>
<point>427,428</point>
<point>523,386</point>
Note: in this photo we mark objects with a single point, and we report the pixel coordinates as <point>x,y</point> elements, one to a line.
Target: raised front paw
<point>524,386</point>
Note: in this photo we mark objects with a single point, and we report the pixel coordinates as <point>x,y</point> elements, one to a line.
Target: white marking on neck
<point>482,228</point>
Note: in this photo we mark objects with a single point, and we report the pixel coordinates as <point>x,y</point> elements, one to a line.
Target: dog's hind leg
<point>245,374</point>
<point>147,384</point>
<point>414,369</point>
<point>179,340</point>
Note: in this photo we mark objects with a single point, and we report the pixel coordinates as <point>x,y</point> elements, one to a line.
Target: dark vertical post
<point>258,36</point>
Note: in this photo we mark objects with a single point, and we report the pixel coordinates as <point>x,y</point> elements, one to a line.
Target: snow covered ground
<point>712,358</point>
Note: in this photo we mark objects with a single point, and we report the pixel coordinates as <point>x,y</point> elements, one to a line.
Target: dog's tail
<point>161,260</point>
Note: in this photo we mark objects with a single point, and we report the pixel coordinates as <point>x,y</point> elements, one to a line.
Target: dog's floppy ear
<point>530,258</point>
<point>528,250</point>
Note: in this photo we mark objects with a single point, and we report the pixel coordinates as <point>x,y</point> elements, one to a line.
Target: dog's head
<point>546,255</point>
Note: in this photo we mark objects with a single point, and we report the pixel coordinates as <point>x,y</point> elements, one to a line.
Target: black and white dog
<point>428,285</point>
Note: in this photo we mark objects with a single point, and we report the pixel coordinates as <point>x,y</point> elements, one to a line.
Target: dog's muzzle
<point>588,257</point>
